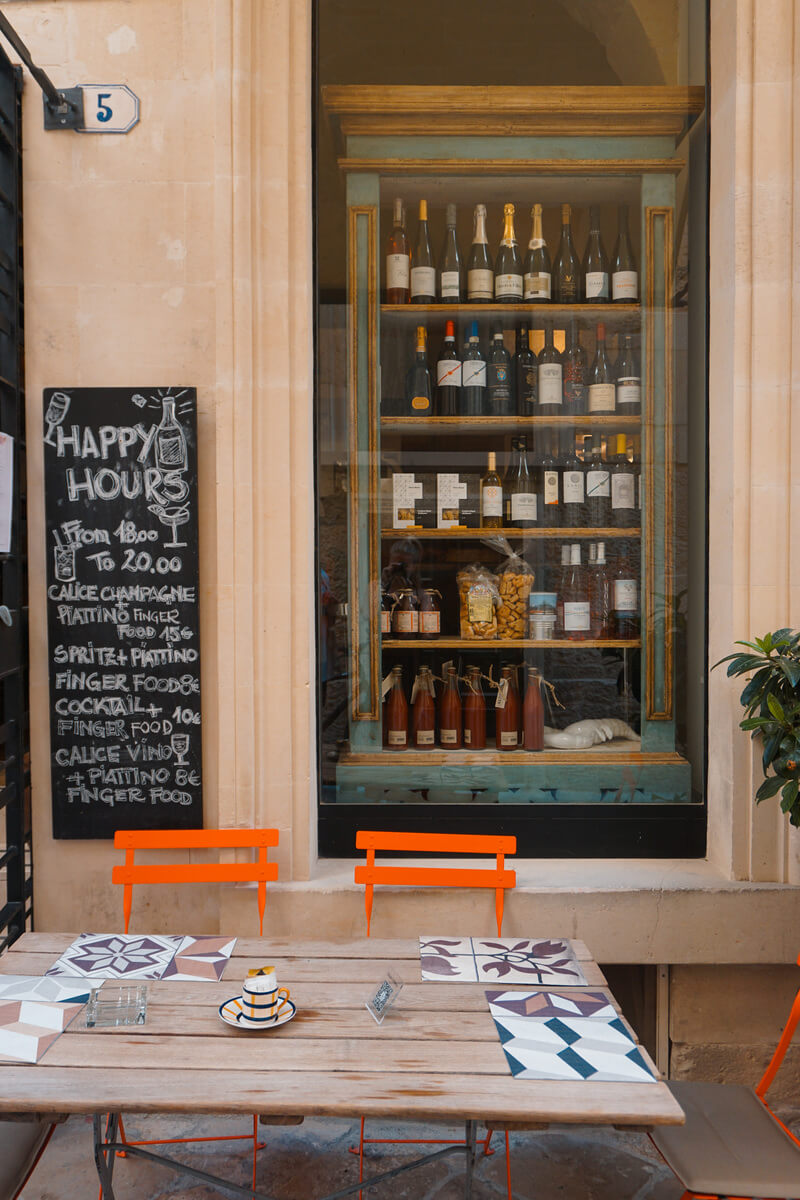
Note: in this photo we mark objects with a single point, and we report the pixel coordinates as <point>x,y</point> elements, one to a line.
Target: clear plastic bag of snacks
<point>515,581</point>
<point>479,600</point>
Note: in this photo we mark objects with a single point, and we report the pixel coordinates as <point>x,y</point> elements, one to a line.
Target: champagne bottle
<point>480,270</point>
<point>526,376</point>
<point>573,482</point>
<point>624,276</point>
<point>500,394</point>
<point>600,594</point>
<point>596,274</point>
<point>598,488</point>
<point>398,262</point>
<point>551,490</point>
<point>575,372</point>
<point>448,375</point>
<point>451,269</point>
<point>601,378</point>
<point>625,598</point>
<point>577,610</point>
<point>537,276</point>
<point>566,268</point>
<point>624,513</point>
<point>629,381</point>
<point>473,377</point>
<point>551,383</point>
<point>170,440</point>
<point>419,394</point>
<point>508,267</point>
<point>522,501</point>
<point>423,274</point>
<point>492,496</point>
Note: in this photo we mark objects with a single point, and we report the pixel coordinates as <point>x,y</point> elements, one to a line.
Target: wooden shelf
<point>617,751</point>
<point>602,535</point>
<point>446,643</point>
<point>478,425</point>
<point>596,312</point>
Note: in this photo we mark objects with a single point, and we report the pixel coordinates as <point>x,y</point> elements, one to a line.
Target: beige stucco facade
<point>181,254</point>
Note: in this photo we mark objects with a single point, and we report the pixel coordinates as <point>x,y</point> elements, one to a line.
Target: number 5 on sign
<point>109,108</point>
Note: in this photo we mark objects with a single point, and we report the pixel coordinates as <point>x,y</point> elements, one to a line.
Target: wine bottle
<point>474,710</point>
<point>423,273</point>
<point>551,377</point>
<point>598,487</point>
<point>423,711</point>
<point>577,611</point>
<point>525,372</point>
<point>450,711</point>
<point>551,490</point>
<point>537,276</point>
<point>522,501</point>
<point>480,270</point>
<point>629,381</point>
<point>473,377</point>
<point>508,267</point>
<point>506,711</point>
<point>596,273</point>
<point>533,713</point>
<point>600,594</point>
<point>398,262</point>
<point>601,378</point>
<point>560,585</point>
<point>395,713</point>
<point>573,482</point>
<point>419,394</point>
<point>492,496</point>
<point>448,375</point>
<point>624,276</point>
<point>624,513</point>
<point>567,267</point>
<point>575,371</point>
<point>451,269</point>
<point>500,396</point>
<point>625,599</point>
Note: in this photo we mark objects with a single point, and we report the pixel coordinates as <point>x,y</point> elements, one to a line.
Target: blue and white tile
<point>54,990</point>
<point>576,1048</point>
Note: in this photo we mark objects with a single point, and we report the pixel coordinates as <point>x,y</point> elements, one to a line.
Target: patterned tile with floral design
<point>500,960</point>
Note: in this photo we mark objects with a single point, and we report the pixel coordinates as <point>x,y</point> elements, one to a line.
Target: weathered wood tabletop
<point>436,1055</point>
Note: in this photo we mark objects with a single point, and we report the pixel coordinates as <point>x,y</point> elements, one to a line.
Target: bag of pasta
<point>479,600</point>
<point>514,583</point>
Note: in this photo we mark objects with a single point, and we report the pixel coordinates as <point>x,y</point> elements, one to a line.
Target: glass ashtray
<point>116,1004</point>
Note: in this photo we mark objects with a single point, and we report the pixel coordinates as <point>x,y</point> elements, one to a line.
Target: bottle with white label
<point>473,377</point>
<point>480,268</point>
<point>624,510</point>
<point>573,484</point>
<point>551,378</point>
<point>450,711</point>
<point>423,711</point>
<point>598,485</point>
<point>537,276</point>
<point>508,267</point>
<point>559,585</point>
<point>551,489</point>
<point>629,380</point>
<point>625,598</point>
<point>448,375</point>
<point>522,501</point>
<point>451,268</point>
<point>600,593</point>
<point>423,272</point>
<point>526,376</point>
<point>492,496</point>
<point>624,276</point>
<point>577,609</point>
<point>507,711</point>
<point>398,261</point>
<point>602,393</point>
<point>596,263</point>
<point>395,713</point>
<point>567,267</point>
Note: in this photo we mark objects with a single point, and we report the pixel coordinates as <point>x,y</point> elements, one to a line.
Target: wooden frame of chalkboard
<point>123,621</point>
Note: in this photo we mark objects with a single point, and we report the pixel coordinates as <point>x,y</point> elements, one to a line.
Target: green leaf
<point>753,691</point>
<point>791,670</point>
<point>769,787</point>
<point>772,745</point>
<point>790,796</point>
<point>776,708</point>
<point>754,723</point>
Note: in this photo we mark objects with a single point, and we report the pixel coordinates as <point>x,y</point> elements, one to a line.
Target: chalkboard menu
<point>122,609</point>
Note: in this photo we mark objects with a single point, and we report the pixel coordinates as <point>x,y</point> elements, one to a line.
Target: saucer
<point>231,1012</point>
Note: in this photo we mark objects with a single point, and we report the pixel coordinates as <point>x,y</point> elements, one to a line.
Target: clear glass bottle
<point>551,488</point>
<point>492,496</point>
<point>448,375</point>
<point>596,282</point>
<point>575,369</point>
<point>398,260</point>
<point>537,276</point>
<point>551,377</point>
<point>423,272</point>
<point>600,594</point>
<point>598,487</point>
<point>573,483</point>
<point>480,268</point>
<point>602,394</point>
<point>499,392</point>
<point>577,609</point>
<point>624,512</point>
<point>473,377</point>
<point>474,711</point>
<point>624,276</point>
<point>522,500</point>
<point>451,268</point>
<point>567,267</point>
<point>629,380</point>
<point>419,390</point>
<point>626,621</point>
<point>508,265</point>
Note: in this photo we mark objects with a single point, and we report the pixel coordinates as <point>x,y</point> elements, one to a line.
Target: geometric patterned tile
<point>117,956</point>
<point>28,1028</point>
<point>40,987</point>
<point>200,958</point>
<point>510,960</point>
<point>575,1002</point>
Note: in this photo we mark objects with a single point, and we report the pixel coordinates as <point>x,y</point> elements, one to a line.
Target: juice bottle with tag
<point>396,714</point>
<point>423,711</point>
<point>474,712</point>
<point>506,712</point>
<point>533,713</point>
<point>450,711</point>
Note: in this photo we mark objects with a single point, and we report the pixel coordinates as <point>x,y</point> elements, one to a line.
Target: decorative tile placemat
<point>97,956</point>
<point>39,987</point>
<point>591,1048</point>
<point>573,1002</point>
<point>28,1028</point>
<point>495,960</point>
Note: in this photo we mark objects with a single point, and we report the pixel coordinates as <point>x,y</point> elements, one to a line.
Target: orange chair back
<point>497,877</point>
<point>781,1048</point>
<point>260,872</point>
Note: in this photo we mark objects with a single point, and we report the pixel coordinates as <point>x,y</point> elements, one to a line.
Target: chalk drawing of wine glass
<point>171,515</point>
<point>64,559</point>
<point>180,747</point>
<point>56,411</point>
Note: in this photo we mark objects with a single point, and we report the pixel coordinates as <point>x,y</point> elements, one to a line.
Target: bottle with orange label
<point>419,393</point>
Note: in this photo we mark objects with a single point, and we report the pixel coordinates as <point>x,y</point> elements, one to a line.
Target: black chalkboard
<point>120,469</point>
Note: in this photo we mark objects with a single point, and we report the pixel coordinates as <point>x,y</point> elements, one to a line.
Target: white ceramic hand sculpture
<point>583,734</point>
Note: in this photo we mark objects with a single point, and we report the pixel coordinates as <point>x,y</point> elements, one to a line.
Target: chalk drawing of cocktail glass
<point>172,515</point>
<point>180,747</point>
<point>64,560</point>
<point>56,411</point>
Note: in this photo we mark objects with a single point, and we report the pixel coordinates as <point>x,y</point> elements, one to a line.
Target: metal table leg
<point>104,1160</point>
<point>470,1134</point>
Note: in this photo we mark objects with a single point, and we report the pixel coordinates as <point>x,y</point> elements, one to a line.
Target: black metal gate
<point>16,879</point>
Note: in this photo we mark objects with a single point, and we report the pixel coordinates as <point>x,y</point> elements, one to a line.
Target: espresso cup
<point>263,1002</point>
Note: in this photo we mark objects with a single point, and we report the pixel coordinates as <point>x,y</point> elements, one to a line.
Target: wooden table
<point>436,1056</point>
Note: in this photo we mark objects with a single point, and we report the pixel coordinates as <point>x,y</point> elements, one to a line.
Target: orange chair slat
<point>196,873</point>
<point>436,876</point>
<point>194,839</point>
<point>438,843</point>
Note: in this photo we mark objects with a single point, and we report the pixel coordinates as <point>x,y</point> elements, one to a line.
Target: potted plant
<point>772,711</point>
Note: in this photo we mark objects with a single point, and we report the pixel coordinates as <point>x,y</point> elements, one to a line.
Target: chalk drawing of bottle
<point>170,441</point>
<point>56,411</point>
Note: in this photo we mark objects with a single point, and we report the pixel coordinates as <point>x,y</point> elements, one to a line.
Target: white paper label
<point>397,737</point>
<point>508,285</point>
<point>405,492</point>
<point>537,286</point>
<point>576,616</point>
<point>424,737</point>
<point>430,621</point>
<point>480,284</point>
<point>398,270</point>
<point>448,373</point>
<point>473,373</point>
<point>601,397</point>
<point>598,483</point>
<point>450,282</point>
<point>492,503</point>
<point>449,737</point>
<point>629,391</point>
<point>551,487</point>
<point>386,622</point>
<point>523,506</point>
<point>423,281</point>
<point>509,738</point>
<point>573,487</point>
<point>550,383</point>
<point>406,622</point>
<point>625,285</point>
<point>622,491</point>
<point>596,284</point>
<point>626,595</point>
<point>467,736</point>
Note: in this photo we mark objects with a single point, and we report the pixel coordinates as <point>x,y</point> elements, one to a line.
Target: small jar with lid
<point>430,614</point>
<point>405,617</point>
